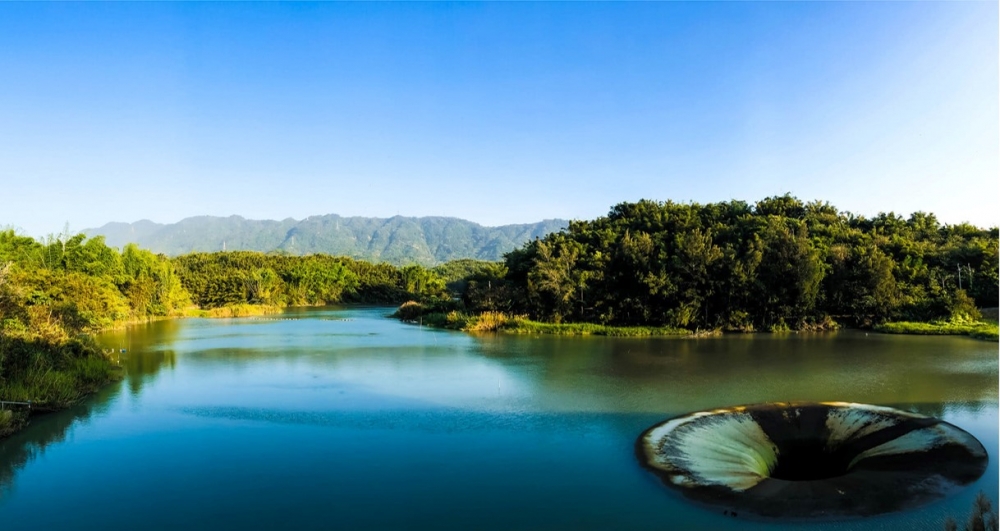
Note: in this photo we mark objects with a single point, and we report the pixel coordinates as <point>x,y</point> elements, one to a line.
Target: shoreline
<point>12,421</point>
<point>980,330</point>
<point>501,324</point>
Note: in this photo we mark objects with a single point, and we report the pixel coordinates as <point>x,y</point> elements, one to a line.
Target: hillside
<point>397,240</point>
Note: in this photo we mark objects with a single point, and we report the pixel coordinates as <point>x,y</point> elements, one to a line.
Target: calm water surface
<point>340,418</point>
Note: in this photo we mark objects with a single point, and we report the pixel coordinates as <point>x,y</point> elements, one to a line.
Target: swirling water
<point>341,418</point>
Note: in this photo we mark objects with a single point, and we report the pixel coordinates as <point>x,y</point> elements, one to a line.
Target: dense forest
<point>777,264</point>
<point>399,240</point>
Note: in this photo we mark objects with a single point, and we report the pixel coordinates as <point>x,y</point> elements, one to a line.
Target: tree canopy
<point>775,264</point>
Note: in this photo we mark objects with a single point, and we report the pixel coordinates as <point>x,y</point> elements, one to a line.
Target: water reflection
<point>671,374</point>
<point>18,450</point>
<point>146,350</point>
<point>141,360</point>
<point>342,409</point>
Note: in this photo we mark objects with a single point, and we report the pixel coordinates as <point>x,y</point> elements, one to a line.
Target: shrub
<point>409,311</point>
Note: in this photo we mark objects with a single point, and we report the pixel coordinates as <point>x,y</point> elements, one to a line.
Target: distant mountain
<point>398,240</point>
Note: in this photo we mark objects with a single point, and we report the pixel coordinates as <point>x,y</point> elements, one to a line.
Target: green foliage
<point>421,282</point>
<point>51,374</point>
<point>84,285</point>
<point>962,307</point>
<point>234,310</point>
<point>54,292</point>
<point>217,280</point>
<point>457,273</point>
<point>409,311</point>
<point>448,316</point>
<point>414,311</point>
<point>779,264</point>
<point>526,326</point>
<point>957,326</point>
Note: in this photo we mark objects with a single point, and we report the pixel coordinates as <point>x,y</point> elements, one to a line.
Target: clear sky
<point>497,113</point>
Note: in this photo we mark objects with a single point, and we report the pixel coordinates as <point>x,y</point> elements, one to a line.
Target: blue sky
<point>498,113</point>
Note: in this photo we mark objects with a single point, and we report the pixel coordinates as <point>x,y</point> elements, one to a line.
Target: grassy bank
<point>976,329</point>
<point>234,310</point>
<point>53,371</point>
<point>440,315</point>
<point>514,324</point>
<point>50,375</point>
<point>526,326</point>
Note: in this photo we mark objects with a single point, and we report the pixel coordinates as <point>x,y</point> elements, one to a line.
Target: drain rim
<point>876,484</point>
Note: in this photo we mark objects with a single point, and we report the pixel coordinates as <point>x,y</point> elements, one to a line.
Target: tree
<point>553,281</point>
<point>789,273</point>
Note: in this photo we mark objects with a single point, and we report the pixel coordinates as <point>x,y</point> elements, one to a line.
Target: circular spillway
<point>826,460</point>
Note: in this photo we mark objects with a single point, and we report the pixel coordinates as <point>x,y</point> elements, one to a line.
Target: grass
<point>51,389</point>
<point>234,310</point>
<point>55,372</point>
<point>976,329</point>
<point>526,326</point>
<point>418,313</point>
<point>51,376</point>
<point>515,324</point>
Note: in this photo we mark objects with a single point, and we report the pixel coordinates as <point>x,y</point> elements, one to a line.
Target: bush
<point>487,322</point>
<point>963,308</point>
<point>409,311</point>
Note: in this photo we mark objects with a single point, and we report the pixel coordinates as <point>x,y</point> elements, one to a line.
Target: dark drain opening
<point>807,461</point>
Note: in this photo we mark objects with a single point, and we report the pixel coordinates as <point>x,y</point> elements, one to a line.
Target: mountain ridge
<point>400,240</point>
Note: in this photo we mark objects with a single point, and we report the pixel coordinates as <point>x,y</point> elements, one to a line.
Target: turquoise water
<point>341,418</point>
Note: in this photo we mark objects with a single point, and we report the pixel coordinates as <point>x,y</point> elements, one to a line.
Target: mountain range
<point>398,240</point>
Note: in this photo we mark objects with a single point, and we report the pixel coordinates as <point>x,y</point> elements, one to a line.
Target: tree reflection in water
<point>142,360</point>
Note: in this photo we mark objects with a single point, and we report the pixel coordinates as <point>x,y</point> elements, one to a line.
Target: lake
<point>341,418</point>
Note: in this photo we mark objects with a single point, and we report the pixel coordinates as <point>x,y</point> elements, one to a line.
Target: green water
<point>342,419</point>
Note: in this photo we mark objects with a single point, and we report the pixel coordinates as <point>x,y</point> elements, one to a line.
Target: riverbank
<point>412,313</point>
<point>229,391</point>
<point>63,373</point>
<point>234,310</point>
<point>508,324</point>
<point>974,329</point>
<point>221,312</point>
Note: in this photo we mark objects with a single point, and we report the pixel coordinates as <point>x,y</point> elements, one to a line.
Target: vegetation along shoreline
<point>646,269</point>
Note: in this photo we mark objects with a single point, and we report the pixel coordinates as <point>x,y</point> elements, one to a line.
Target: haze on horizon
<point>495,113</point>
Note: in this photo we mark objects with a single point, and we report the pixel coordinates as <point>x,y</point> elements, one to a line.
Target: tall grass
<point>518,324</point>
<point>53,376</point>
<point>235,310</point>
<point>976,329</point>
<point>491,322</point>
<point>526,326</point>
